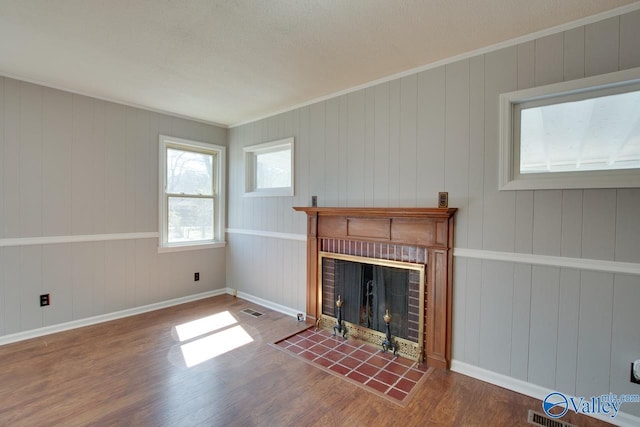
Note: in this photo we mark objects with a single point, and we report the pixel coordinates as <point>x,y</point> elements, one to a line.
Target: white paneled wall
<point>400,142</point>
<point>72,165</point>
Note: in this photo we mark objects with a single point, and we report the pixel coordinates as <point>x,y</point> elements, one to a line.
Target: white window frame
<point>219,155</point>
<point>250,166</point>
<point>509,150</point>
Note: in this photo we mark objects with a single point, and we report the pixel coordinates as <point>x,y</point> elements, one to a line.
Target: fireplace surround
<point>412,235</point>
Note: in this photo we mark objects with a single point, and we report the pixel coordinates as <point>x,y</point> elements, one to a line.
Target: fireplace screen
<point>368,287</point>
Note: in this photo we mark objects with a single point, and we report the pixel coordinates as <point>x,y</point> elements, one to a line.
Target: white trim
<point>516,257</point>
<point>508,43</point>
<point>190,247</point>
<point>554,261</point>
<point>271,234</point>
<point>35,333</point>
<point>531,390</point>
<point>266,303</point>
<point>50,240</point>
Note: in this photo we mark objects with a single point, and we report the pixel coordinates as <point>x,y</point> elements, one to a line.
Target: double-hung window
<point>191,194</point>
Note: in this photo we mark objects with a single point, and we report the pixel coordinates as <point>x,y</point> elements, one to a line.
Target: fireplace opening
<point>367,288</point>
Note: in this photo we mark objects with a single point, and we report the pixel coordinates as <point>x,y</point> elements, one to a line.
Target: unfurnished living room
<point>319,212</point>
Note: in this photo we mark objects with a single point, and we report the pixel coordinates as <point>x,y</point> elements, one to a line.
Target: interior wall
<point>75,166</point>
<point>401,142</point>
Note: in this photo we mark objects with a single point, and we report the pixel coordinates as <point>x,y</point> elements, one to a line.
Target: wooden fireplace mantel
<point>430,228</point>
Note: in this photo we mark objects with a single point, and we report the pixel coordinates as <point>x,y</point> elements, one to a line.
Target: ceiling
<point>233,61</point>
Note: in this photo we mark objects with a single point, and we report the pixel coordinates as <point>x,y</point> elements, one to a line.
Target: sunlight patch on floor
<point>205,325</point>
<point>206,348</point>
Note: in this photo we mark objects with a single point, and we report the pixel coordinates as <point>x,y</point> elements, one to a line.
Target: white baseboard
<point>35,333</point>
<point>623,419</point>
<point>266,303</point>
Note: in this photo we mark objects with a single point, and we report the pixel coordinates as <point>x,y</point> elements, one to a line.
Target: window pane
<point>190,219</point>
<point>189,172</point>
<point>273,170</point>
<point>591,134</point>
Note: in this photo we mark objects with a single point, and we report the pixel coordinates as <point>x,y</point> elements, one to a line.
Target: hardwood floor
<point>131,372</point>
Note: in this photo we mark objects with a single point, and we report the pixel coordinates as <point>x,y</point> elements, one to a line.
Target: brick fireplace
<point>422,236</point>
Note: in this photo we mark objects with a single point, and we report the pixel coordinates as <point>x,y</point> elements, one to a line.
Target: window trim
<point>219,186</point>
<point>509,177</point>
<point>250,165</point>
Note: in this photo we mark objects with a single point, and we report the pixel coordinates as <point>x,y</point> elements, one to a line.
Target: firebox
<point>369,288</point>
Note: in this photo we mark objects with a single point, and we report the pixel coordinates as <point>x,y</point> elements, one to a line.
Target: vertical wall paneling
<point>627,237</point>
<point>547,223</point>
<point>571,235</point>
<point>594,333</point>
<point>573,54</point>
<point>369,147</point>
<point>545,288</point>
<point>332,159</point>
<point>568,326</point>
<point>630,40</point>
<point>2,166</point>
<point>476,152</point>
<point>521,323</point>
<point>381,138</point>
<point>12,290</point>
<point>11,165</point>
<point>317,152</point>
<point>3,293</point>
<point>625,340</point>
<point>456,146</point>
<point>30,287</point>
<point>343,151</point>
<point>82,166</point>
<point>30,178</point>
<point>496,316</point>
<point>549,54</point>
<point>57,268</point>
<point>57,125</point>
<point>430,135</point>
<point>472,318</point>
<point>499,206</point>
<point>407,148</point>
<point>356,158</point>
<point>602,46</point>
<point>394,142</point>
<point>598,224</point>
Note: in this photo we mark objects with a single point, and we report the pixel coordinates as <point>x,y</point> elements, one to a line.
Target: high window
<point>579,134</point>
<point>269,168</point>
<point>191,194</point>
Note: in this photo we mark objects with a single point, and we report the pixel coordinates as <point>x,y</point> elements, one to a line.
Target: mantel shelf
<point>396,212</point>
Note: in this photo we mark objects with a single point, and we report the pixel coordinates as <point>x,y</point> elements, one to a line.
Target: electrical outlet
<point>44,300</point>
<point>196,277</point>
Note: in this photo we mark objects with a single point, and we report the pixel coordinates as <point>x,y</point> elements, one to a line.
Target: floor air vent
<point>538,419</point>
<point>252,312</point>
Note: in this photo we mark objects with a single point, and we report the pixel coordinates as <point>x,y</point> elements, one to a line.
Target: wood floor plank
<point>131,372</point>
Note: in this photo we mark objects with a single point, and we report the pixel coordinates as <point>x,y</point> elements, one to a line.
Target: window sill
<point>190,247</point>
<point>286,192</point>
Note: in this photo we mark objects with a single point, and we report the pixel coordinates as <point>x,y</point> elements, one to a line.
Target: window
<point>269,168</point>
<point>191,194</point>
<point>579,134</point>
